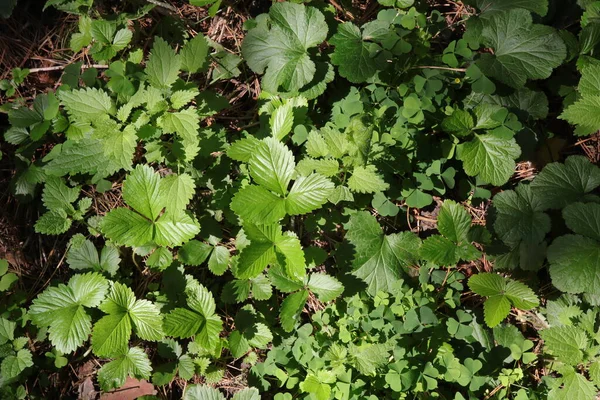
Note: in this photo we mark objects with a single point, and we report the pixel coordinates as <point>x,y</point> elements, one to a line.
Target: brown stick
<point>61,67</point>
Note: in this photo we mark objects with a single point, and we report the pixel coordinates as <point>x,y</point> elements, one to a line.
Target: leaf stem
<point>442,68</point>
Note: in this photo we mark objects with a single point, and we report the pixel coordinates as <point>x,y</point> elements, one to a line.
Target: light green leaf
<point>440,251</point>
<point>379,260</point>
<point>280,49</point>
<point>134,363</point>
<point>218,262</point>
<point>13,365</point>
<point>163,64</point>
<point>57,195</point>
<point>127,228</point>
<point>489,157</point>
<point>247,394</point>
<point>193,54</point>
<point>574,386</point>
<point>566,343</point>
<point>585,113</point>
<point>61,308</point>
<point>184,123</point>
<point>326,287</point>
<point>272,165</point>
<point>316,146</point>
<point>177,190</point>
<point>87,105</point>
<point>242,150</point>
<point>308,194</point>
<point>256,204</point>
<point>84,156</point>
<point>454,222</point>
<point>290,247</point>
<point>522,50</point>
<point>291,308</point>
<point>319,390</point>
<point>194,252</point>
<point>141,191</point>
<point>53,223</point>
<point>495,309</point>
<point>369,357</point>
<point>366,180</point>
<point>174,229</point>
<point>282,121</point>
<point>202,392</point>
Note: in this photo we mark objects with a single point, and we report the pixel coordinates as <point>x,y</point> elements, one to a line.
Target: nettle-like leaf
<point>454,243</point>
<point>278,46</point>
<point>58,199</point>
<point>380,259</point>
<point>585,112</point>
<point>200,320</point>
<point>148,195</point>
<point>163,64</point>
<point>575,258</point>
<point>133,362</point>
<point>572,385</point>
<point>501,293</point>
<point>272,167</point>
<point>112,332</point>
<point>522,50</point>
<point>62,309</point>
<point>566,343</point>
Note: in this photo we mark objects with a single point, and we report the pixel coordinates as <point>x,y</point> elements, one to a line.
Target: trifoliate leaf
<point>278,46</point>
<point>566,343</point>
<point>282,121</point>
<point>87,105</point>
<point>501,293</point>
<point>575,264</point>
<point>519,216</point>
<point>160,259</point>
<point>134,363</point>
<point>440,251</point>
<point>326,287</point>
<point>62,309</point>
<point>283,281</point>
<point>561,184</point>
<point>193,54</point>
<point>317,389</point>
<point>163,64</point>
<point>272,165</point>
<point>379,260</point>
<point>308,194</point>
<point>125,227</point>
<point>366,180</point>
<point>83,255</point>
<point>490,158</point>
<point>522,50</point>
<point>355,54</point>
<point>291,308</point>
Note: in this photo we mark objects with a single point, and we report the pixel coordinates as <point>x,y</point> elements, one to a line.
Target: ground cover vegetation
<point>301,200</point>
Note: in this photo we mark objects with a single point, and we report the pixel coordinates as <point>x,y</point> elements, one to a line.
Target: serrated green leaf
<point>163,64</point>
<point>559,185</point>
<point>291,308</point>
<point>522,50</point>
<point>125,227</point>
<point>282,121</point>
<point>574,386</point>
<point>177,190</point>
<point>218,262</point>
<point>366,180</point>
<point>184,123</point>
<point>326,287</point>
<point>308,194</point>
<point>141,191</point>
<point>242,150</point>
<point>272,165</point>
<point>460,123</point>
<point>134,363</point>
<point>87,105</point>
<point>379,260</point>
<point>202,392</point>
<point>454,222</point>
<point>53,223</point>
<point>280,50</point>
<point>575,264</point>
<point>256,204</point>
<point>539,7</point>
<point>13,365</point>
<point>193,54</point>
<point>490,158</point>
<point>61,308</point>
<point>290,247</point>
<point>355,54</point>
<point>566,343</point>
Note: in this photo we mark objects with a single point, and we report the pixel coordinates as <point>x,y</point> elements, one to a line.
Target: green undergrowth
<point>364,236</point>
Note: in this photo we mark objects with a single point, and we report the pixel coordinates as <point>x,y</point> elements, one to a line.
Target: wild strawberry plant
<point>363,236</point>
